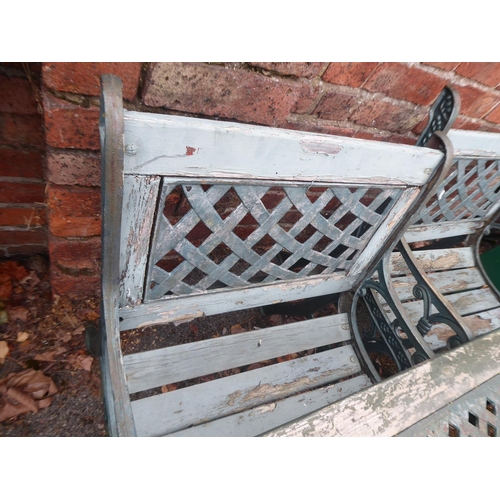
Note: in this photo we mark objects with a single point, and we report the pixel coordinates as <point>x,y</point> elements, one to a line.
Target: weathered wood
<point>447,282</point>
<point>267,417</point>
<point>446,229</point>
<point>139,195</point>
<point>389,408</point>
<point>434,260</point>
<point>173,411</point>
<point>457,414</point>
<point>186,308</point>
<point>475,143</point>
<point>224,150</point>
<point>119,412</point>
<point>150,369</point>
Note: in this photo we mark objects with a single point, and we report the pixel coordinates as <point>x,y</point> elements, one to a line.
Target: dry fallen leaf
<point>5,287</point>
<point>237,329</point>
<point>22,336</point>
<point>14,270</point>
<point>168,388</point>
<point>29,390</point>
<point>20,313</point>
<point>50,355</point>
<point>4,351</point>
<point>79,330</point>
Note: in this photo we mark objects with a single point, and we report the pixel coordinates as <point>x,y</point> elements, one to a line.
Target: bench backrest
<point>217,216</point>
<point>468,199</point>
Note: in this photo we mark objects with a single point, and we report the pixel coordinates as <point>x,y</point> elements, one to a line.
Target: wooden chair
<point>204,217</point>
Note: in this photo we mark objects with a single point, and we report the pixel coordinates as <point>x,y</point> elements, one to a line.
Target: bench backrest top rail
<point>192,147</point>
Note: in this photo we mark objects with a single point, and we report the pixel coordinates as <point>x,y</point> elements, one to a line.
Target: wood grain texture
<point>173,411</point>
<point>223,150</point>
<point>269,416</point>
<point>446,229</point>
<point>139,206</point>
<point>173,364</point>
<point>475,143</point>
<point>217,302</point>
<point>388,408</point>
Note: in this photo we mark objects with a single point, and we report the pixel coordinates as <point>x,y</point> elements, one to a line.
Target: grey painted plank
<point>150,369</point>
<point>180,146</point>
<point>434,260</point>
<point>426,232</point>
<point>139,206</point>
<point>267,417</point>
<point>386,230</point>
<point>474,143</point>
<point>217,302</point>
<point>388,408</point>
<point>173,411</point>
<point>446,282</point>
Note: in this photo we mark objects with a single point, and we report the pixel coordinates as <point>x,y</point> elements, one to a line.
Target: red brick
<point>70,168</point>
<point>21,130</point>
<point>17,96</point>
<point>402,139</point>
<point>84,78</point>
<point>62,249</point>
<point>74,285</point>
<point>223,92</point>
<point>476,102</point>
<point>486,127</point>
<point>486,73</point>
<point>385,115</point>
<point>352,74</point>
<point>372,136</point>
<point>70,126</point>
<point>15,216</point>
<point>10,250</point>
<point>301,69</point>
<point>23,237</point>
<point>320,127</point>
<point>336,106</point>
<point>408,83</point>
<point>465,123</point>
<point>494,116</point>
<point>74,211</point>
<point>34,67</point>
<point>14,163</point>
<point>17,192</point>
<point>447,66</point>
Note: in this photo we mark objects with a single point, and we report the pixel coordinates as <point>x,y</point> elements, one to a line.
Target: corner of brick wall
<point>71,117</point>
<point>22,184</point>
<point>378,101</point>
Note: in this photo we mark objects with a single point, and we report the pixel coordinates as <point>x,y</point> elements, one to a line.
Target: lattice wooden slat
<point>208,243</point>
<point>466,194</point>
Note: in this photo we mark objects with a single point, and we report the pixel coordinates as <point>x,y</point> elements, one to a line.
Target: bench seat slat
<point>446,281</point>
<point>267,417</point>
<point>170,412</point>
<point>466,303</point>
<point>425,232</point>
<point>434,260</point>
<point>149,369</point>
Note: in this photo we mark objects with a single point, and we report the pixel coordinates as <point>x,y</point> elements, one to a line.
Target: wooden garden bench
<point>432,293</point>
<point>204,217</point>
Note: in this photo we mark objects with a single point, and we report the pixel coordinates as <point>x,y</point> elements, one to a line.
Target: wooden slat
<point>150,369</point>
<point>434,260</point>
<point>388,408</point>
<point>446,282</point>
<point>267,417</point>
<point>139,195</point>
<point>180,146</point>
<point>173,411</point>
<point>427,232</point>
<point>466,303</point>
<point>474,143</point>
<point>207,304</point>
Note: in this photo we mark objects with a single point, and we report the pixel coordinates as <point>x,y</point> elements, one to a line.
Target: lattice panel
<point>466,194</point>
<point>219,236</point>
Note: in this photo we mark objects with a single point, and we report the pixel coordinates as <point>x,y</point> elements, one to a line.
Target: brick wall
<point>22,187</point>
<point>381,101</point>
